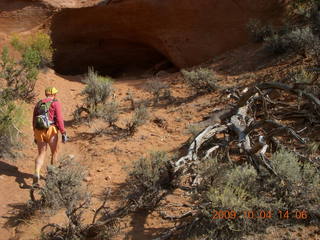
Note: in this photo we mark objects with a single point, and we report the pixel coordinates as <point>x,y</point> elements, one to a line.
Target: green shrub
<point>240,189</point>
<point>295,181</point>
<point>139,118</point>
<point>314,147</point>
<point>64,189</point>
<point>21,73</point>
<point>308,10</point>
<point>11,120</point>
<point>40,43</point>
<point>276,44</point>
<point>201,79</point>
<point>146,178</point>
<point>158,89</point>
<point>20,76</point>
<point>64,186</point>
<point>110,112</point>
<point>300,40</point>
<point>303,76</point>
<point>97,91</point>
<point>287,166</point>
<point>258,32</point>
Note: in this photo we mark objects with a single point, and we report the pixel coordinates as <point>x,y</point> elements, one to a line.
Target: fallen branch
<point>276,85</point>
<point>204,136</point>
<point>171,218</point>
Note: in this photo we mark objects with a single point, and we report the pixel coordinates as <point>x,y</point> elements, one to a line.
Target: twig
<point>277,85</point>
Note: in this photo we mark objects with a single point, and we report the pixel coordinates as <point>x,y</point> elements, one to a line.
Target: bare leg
<point>42,149</point>
<point>53,143</point>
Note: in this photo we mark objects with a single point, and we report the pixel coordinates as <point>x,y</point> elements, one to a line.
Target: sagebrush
<point>239,188</point>
<point>97,91</point>
<point>202,80</point>
<point>258,31</point>
<point>147,177</point>
<point>11,121</point>
<point>158,89</point>
<point>21,72</point>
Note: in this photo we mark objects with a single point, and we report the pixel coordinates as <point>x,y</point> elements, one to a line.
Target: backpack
<point>42,114</point>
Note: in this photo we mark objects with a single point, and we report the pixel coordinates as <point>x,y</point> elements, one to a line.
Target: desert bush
<point>300,40</point>
<point>64,185</point>
<point>276,44</point>
<point>303,76</point>
<point>147,178</point>
<point>20,76</point>
<point>21,73</point>
<point>308,10</point>
<point>240,189</point>
<point>11,120</point>
<point>139,118</point>
<point>40,43</point>
<point>97,91</point>
<point>228,188</point>
<point>294,181</point>
<point>130,98</point>
<point>158,89</point>
<point>64,189</point>
<point>201,79</point>
<point>314,147</point>
<point>258,31</point>
<point>110,112</point>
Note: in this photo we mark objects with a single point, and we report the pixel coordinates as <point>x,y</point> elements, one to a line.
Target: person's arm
<point>59,117</point>
<point>34,117</point>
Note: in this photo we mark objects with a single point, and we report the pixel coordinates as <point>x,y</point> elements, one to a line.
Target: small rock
<point>100,170</point>
<point>87,179</point>
<point>71,156</point>
<point>107,178</point>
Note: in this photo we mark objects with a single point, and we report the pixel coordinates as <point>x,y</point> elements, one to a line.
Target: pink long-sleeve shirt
<point>55,114</point>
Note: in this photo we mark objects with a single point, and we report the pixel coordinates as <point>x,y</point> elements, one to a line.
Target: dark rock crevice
<point>113,57</point>
<point>135,35</point>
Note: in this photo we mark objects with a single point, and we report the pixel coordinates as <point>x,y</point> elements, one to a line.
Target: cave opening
<point>113,57</point>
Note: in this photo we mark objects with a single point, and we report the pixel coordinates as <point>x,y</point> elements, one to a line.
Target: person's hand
<point>64,137</point>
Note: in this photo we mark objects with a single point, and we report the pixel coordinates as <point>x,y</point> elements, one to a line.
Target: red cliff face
<point>117,35</point>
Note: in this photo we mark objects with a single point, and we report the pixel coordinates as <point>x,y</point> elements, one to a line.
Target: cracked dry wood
<point>204,136</point>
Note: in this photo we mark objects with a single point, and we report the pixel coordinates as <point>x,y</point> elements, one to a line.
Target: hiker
<point>47,120</point>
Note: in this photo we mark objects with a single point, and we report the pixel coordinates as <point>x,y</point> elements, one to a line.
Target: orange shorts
<point>44,135</point>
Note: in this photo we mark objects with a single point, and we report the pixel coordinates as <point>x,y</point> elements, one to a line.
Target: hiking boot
<point>35,182</point>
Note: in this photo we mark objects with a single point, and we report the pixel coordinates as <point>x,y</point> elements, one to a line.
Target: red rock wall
<point>138,33</point>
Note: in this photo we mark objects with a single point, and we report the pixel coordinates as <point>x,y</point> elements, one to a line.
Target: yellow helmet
<point>51,90</point>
